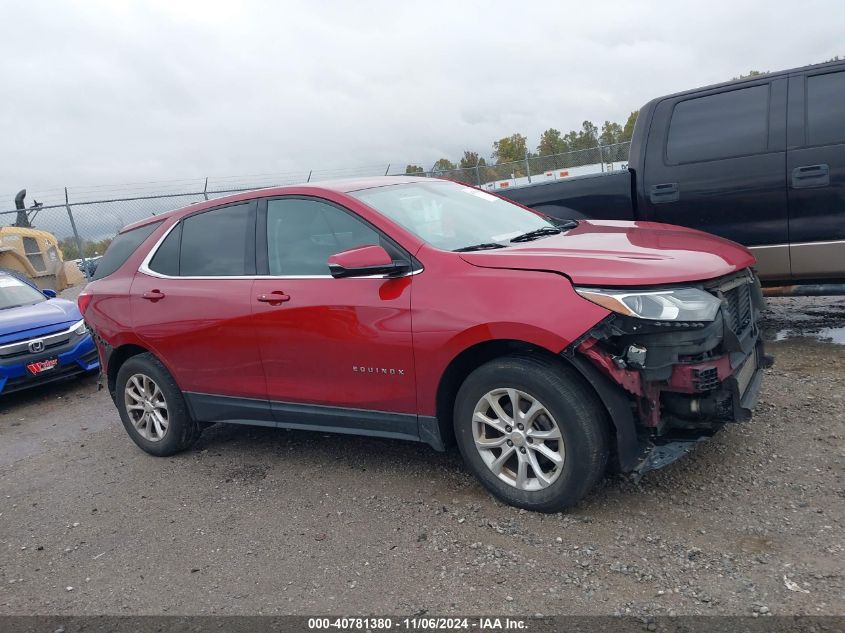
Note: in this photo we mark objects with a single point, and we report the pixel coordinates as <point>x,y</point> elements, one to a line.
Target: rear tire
<point>550,454</point>
<point>152,407</point>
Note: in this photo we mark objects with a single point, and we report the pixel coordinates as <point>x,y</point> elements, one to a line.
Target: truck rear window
<point>121,248</point>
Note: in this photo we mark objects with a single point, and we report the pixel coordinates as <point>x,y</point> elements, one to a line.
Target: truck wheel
<point>152,407</point>
<point>532,431</point>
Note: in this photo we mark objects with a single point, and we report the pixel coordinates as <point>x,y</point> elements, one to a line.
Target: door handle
<point>275,297</point>
<point>153,295</point>
<point>665,192</point>
<point>809,176</point>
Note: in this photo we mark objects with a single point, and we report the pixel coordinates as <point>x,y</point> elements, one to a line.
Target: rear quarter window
<point>166,258</point>
<point>121,248</point>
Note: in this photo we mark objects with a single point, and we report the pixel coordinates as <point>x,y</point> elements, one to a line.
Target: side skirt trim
<point>289,415</point>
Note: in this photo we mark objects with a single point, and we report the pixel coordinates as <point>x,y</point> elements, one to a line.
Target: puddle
<point>825,335</point>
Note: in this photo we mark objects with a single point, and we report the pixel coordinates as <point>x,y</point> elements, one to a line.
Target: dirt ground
<point>273,522</point>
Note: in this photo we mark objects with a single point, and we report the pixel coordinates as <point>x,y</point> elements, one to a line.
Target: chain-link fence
<point>84,220</point>
<point>533,169</point>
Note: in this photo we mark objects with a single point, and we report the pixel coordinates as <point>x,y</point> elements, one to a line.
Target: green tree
<point>510,148</point>
<point>572,141</point>
<point>69,248</point>
<point>585,138</point>
<point>611,133</point>
<point>551,142</point>
<point>471,159</point>
<point>473,169</point>
<point>589,135</point>
<point>90,248</point>
<point>751,73</point>
<point>628,129</point>
<point>443,164</point>
<point>414,169</point>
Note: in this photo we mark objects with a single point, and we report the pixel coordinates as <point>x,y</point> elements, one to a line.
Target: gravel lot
<point>274,522</point>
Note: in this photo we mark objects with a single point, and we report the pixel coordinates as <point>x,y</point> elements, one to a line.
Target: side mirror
<point>365,261</point>
<point>49,293</point>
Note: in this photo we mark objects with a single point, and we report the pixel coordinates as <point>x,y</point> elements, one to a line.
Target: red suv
<point>429,311</point>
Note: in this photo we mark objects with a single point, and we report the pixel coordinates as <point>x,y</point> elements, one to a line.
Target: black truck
<point>759,160</point>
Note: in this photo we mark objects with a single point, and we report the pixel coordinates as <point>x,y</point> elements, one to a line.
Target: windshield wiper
<point>563,224</point>
<point>537,234</point>
<point>484,246</point>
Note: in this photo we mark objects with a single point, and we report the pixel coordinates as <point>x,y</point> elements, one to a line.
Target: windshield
<point>451,216</point>
<point>14,293</point>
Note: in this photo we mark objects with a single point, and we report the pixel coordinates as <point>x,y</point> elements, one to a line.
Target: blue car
<point>42,338</point>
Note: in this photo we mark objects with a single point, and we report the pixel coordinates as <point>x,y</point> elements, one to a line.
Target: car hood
<point>605,253</point>
<point>33,320</point>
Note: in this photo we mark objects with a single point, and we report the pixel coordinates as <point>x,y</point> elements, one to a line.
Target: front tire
<point>532,431</point>
<point>152,407</point>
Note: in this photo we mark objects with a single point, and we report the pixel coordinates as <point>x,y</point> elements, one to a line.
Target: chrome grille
<point>24,350</point>
<point>21,348</point>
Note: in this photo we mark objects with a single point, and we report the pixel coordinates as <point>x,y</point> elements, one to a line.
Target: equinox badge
<point>385,371</point>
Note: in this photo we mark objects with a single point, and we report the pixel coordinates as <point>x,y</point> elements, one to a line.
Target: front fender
<point>456,306</point>
<point>504,331</point>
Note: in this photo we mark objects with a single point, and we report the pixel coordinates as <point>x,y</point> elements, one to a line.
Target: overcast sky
<point>104,92</point>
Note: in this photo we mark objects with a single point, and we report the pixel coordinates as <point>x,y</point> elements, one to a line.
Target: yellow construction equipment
<point>32,253</point>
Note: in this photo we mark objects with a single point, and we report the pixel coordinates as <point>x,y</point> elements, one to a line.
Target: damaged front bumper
<point>681,381</point>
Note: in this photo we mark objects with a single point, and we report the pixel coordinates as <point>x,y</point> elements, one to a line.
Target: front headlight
<point>675,304</point>
<point>79,328</point>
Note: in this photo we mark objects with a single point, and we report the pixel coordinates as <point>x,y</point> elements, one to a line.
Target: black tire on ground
<point>182,431</point>
<point>572,403</point>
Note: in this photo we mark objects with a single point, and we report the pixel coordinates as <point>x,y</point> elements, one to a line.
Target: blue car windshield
<point>15,293</point>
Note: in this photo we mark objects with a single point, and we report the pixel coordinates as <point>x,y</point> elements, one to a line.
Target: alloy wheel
<point>147,407</point>
<point>518,438</point>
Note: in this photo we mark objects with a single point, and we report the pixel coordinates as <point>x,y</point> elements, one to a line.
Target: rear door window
<point>721,125</point>
<point>219,243</point>
<point>826,109</point>
<point>121,248</point>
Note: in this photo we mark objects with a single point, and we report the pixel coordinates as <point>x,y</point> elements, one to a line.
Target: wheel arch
<point>463,364</point>
<point>117,358</point>
<point>620,418</point>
